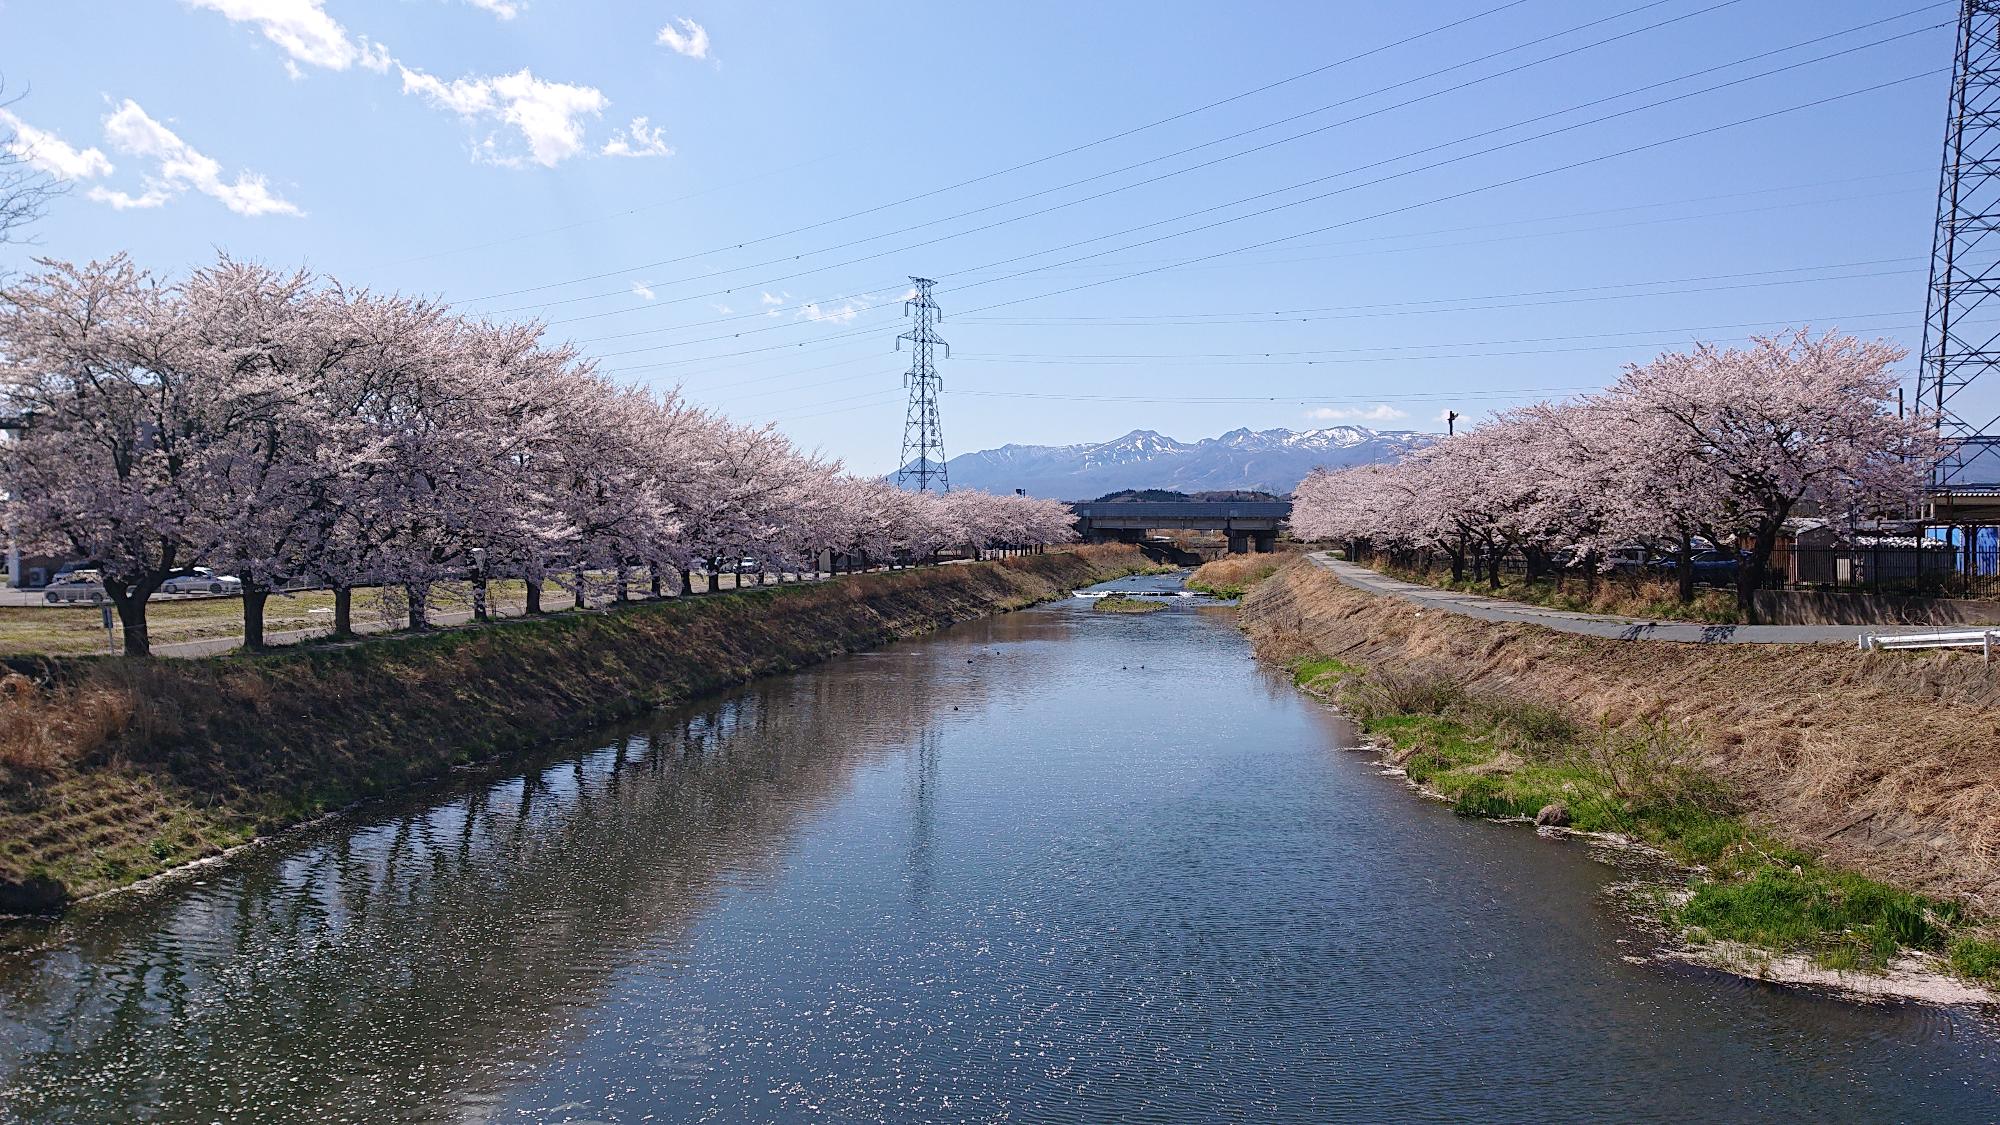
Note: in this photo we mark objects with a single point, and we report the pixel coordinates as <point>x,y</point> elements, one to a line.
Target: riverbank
<point>1838,808</point>
<point>115,770</point>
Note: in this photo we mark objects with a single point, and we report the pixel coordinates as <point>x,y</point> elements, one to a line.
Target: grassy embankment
<point>112,769</point>
<point>1231,576</point>
<point>1119,604</point>
<point>1819,845</point>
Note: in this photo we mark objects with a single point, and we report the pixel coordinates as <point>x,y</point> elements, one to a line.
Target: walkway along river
<point>1050,866</point>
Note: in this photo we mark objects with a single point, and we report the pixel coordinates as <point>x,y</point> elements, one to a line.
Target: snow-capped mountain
<point>1266,460</point>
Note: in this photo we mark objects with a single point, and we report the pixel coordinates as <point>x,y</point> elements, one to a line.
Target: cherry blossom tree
<point>1791,417</point>
<point>283,427</point>
<point>1722,444</point>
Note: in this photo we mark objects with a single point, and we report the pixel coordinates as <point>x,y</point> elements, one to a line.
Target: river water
<point>1052,866</point>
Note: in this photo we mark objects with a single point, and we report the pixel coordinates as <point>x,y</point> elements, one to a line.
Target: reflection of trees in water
<point>399,969</point>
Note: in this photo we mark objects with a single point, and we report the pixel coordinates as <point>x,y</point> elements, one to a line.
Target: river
<point>1051,866</point>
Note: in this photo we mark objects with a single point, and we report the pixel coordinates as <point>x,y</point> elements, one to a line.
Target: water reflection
<point>407,968</point>
<point>1058,865</point>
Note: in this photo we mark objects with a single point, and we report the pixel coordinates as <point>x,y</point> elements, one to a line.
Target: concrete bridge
<point>1248,524</point>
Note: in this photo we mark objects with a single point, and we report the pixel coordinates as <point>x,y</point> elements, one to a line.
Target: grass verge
<point>1648,598</point>
<point>1505,757</point>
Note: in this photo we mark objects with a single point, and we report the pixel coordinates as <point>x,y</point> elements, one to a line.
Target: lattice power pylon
<point>923,439</point>
<point>1961,344</point>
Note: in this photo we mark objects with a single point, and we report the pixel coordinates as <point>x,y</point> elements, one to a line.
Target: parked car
<point>202,580</point>
<point>1717,568</point>
<point>76,586</point>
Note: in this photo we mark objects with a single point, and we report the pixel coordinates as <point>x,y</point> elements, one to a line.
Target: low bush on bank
<point>1507,757</point>
<point>1232,576</point>
<point>1117,603</point>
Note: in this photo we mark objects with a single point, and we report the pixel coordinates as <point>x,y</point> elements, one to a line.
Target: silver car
<point>202,581</point>
<point>76,586</point>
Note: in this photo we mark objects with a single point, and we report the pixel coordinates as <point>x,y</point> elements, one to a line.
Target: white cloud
<point>505,9</point>
<point>303,30</point>
<point>179,168</point>
<point>768,299</point>
<point>1380,412</point>
<point>548,115</point>
<point>725,310</point>
<point>50,153</point>
<point>644,292</point>
<point>641,138</point>
<point>813,310</point>
<point>121,201</point>
<point>691,40</point>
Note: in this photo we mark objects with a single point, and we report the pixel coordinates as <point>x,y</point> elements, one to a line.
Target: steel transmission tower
<point>923,438</point>
<point>1959,344</point>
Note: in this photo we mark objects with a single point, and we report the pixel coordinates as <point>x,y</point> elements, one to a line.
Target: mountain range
<point>1265,460</point>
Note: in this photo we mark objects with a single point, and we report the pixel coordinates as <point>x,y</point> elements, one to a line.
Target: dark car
<point>1714,567</point>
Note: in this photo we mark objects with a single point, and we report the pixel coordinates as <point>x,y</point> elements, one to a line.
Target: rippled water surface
<point>1055,866</point>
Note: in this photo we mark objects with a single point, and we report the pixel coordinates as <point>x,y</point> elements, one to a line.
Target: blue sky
<point>709,194</point>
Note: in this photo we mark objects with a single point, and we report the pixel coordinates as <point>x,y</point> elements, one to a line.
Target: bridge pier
<point>1239,542</point>
<point>1263,542</point>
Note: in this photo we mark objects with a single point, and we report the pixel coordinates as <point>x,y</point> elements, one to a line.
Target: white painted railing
<point>1985,640</point>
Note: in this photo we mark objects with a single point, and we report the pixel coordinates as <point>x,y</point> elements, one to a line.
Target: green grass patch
<point>1314,668</point>
<point>1976,958</point>
<point>1505,757</point>
<point>1118,604</point>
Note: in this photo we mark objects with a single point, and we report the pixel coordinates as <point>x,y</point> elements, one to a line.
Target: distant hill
<point>1157,495</point>
<point>1273,461</point>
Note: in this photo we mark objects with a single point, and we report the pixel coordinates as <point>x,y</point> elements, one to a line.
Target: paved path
<point>1595,624</point>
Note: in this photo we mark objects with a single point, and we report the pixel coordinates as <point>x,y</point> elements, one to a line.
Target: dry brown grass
<point>44,728</point>
<point>1885,762</point>
<point>1231,576</point>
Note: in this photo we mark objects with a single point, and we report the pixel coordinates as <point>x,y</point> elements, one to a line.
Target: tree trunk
<point>254,597</point>
<point>418,598</point>
<point>482,609</point>
<point>579,588</point>
<point>534,606</point>
<point>131,609</point>
<point>624,584</point>
<point>343,612</point>
<point>1684,569</point>
<point>654,570</point>
<point>1751,572</point>
<point>687,581</point>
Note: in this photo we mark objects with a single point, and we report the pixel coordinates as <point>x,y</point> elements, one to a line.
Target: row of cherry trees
<point>280,426</point>
<point>1716,444</point>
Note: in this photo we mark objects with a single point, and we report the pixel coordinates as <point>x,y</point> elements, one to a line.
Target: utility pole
<point>1959,345</point>
<point>1451,423</point>
<point>923,438</point>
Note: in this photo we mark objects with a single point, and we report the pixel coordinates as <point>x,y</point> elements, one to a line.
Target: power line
<point>1390,309</point>
<point>1211,143</point>
<point>1445,162</point>
<point>1342,173</point>
<point>1135,130</point>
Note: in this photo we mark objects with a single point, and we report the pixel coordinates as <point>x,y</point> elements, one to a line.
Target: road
<point>1594,624</point>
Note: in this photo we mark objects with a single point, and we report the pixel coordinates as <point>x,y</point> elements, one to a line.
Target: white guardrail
<point>1985,640</point>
